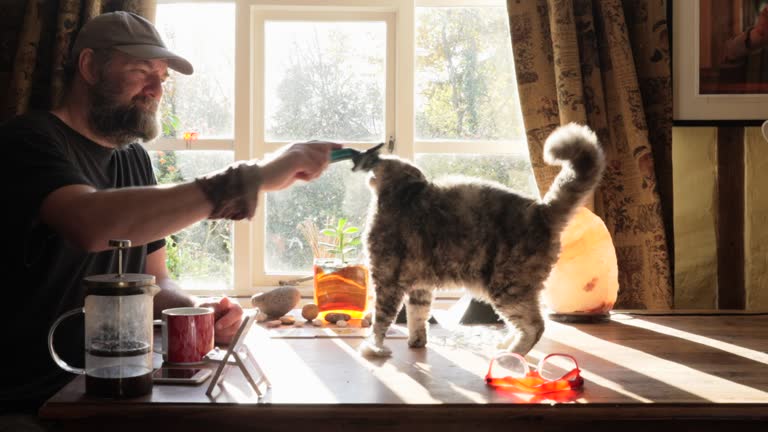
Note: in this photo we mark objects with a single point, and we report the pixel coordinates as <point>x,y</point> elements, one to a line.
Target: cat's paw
<point>418,341</point>
<point>369,349</point>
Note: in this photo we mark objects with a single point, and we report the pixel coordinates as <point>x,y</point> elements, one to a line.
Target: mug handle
<point>62,364</point>
<point>164,337</point>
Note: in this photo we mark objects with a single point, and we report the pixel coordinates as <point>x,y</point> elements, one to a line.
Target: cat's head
<point>390,173</point>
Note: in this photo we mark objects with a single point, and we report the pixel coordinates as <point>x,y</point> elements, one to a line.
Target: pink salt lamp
<point>585,279</point>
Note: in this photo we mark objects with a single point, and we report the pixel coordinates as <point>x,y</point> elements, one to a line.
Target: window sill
<point>443,298</point>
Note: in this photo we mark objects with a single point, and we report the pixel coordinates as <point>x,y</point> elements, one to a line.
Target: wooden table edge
<point>461,412</point>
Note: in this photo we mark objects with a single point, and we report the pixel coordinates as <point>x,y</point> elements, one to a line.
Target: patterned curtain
<point>605,63</point>
<point>42,42</point>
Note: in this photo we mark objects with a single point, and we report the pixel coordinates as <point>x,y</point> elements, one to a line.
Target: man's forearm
<point>170,296</point>
<point>140,214</point>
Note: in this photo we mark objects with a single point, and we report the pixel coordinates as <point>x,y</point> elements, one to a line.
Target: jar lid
<point>120,284</point>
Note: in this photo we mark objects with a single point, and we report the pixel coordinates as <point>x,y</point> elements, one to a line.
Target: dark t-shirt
<point>45,270</point>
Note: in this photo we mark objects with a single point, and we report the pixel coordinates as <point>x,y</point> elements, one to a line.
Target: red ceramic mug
<point>187,334</point>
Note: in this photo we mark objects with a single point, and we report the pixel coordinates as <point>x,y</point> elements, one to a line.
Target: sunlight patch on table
<point>674,374</point>
<point>291,374</point>
<point>403,386</point>
<point>713,343</point>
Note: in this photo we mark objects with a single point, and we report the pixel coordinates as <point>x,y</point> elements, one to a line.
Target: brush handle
<point>343,154</point>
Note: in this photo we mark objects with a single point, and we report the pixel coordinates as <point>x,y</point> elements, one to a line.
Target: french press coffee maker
<point>118,332</point>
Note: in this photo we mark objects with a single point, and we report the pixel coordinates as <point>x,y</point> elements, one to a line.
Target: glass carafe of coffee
<point>118,332</point>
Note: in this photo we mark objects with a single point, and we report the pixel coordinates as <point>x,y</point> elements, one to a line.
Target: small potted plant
<point>341,281</point>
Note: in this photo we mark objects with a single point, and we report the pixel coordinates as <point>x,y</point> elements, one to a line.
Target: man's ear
<point>86,65</point>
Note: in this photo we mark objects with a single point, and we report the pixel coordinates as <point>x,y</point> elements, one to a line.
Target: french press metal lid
<point>119,284</point>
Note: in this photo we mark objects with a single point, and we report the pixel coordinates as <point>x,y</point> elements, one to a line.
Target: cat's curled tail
<point>576,149</point>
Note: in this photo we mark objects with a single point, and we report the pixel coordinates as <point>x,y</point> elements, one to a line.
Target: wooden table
<point>683,372</point>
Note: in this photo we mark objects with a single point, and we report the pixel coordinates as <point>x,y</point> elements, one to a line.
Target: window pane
<point>204,34</point>
<point>510,170</point>
<point>325,80</point>
<point>465,80</point>
<point>200,256</point>
<point>338,193</point>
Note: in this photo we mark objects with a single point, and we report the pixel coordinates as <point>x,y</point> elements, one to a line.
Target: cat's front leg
<point>389,298</point>
<point>524,323</point>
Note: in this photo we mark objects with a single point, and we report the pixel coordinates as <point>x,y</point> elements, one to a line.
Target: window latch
<point>391,144</point>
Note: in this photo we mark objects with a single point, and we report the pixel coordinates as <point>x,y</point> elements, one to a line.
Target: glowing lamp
<point>585,279</point>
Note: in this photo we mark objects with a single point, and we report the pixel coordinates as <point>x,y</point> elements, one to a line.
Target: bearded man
<point>78,176</point>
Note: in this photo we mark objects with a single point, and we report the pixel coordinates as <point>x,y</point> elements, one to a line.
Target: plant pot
<point>340,287</point>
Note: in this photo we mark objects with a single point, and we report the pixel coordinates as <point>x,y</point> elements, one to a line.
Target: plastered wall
<point>756,219</point>
<point>694,154</point>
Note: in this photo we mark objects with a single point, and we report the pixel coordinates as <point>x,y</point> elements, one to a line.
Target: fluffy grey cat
<point>501,246</point>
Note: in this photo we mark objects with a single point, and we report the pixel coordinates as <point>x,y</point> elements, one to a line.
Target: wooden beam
<point>729,229</point>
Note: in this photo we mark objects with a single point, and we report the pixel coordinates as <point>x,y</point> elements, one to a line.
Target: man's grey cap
<point>128,33</point>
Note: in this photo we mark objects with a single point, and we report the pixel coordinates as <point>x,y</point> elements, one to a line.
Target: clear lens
<point>556,366</point>
<point>508,365</point>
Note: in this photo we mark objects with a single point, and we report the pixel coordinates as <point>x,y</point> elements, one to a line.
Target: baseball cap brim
<point>152,52</point>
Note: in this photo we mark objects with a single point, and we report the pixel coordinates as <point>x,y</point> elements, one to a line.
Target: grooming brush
<point>358,157</point>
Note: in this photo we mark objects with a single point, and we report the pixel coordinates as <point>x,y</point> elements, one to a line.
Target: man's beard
<point>119,123</point>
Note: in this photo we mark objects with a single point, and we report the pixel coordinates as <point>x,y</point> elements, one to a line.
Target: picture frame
<point>716,80</point>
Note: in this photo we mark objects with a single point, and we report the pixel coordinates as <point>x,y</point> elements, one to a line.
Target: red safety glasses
<point>555,372</point>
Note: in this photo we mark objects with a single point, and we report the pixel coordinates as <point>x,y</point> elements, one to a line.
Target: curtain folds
<point>43,41</point>
<point>605,63</point>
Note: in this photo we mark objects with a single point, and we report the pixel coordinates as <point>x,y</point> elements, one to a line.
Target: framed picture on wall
<point>720,61</point>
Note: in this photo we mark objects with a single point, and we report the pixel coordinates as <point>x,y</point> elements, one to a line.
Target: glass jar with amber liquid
<point>340,287</point>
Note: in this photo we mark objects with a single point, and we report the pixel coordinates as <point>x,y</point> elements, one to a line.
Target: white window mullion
<point>404,79</point>
<point>256,77</point>
<point>175,144</point>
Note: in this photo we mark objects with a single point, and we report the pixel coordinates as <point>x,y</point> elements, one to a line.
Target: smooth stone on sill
<point>278,301</point>
<point>335,316</point>
<point>310,311</point>
<point>273,323</point>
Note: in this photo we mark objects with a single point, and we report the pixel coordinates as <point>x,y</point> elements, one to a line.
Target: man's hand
<point>228,315</point>
<point>301,161</point>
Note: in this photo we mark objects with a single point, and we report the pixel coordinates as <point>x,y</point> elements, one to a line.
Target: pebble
<point>310,311</point>
<point>317,322</point>
<point>365,323</point>
<point>287,320</point>
<point>342,323</point>
<point>334,317</point>
<point>277,302</point>
<point>298,324</point>
<point>273,323</point>
<point>261,317</point>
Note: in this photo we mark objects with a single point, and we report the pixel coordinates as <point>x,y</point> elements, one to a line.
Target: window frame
<point>248,142</point>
